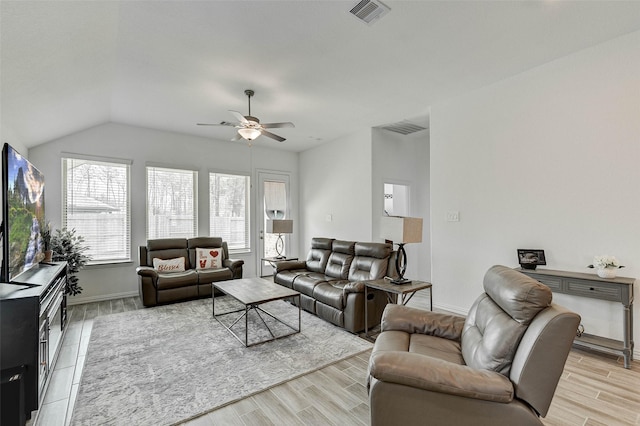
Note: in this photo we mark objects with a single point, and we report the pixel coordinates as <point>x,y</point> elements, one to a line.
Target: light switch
<point>453,216</point>
<point>328,218</point>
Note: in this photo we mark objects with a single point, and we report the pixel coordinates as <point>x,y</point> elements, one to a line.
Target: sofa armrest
<point>287,265</point>
<point>412,320</point>
<point>354,287</point>
<point>147,271</point>
<point>235,266</point>
<point>232,263</point>
<point>436,375</point>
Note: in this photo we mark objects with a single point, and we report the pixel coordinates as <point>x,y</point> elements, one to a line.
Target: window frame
<point>196,178</point>
<point>127,252</point>
<point>247,208</point>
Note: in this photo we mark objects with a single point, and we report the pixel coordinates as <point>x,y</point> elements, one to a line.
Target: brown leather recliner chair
<point>499,366</point>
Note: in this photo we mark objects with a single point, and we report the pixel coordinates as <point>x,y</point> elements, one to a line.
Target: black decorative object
<point>530,258</point>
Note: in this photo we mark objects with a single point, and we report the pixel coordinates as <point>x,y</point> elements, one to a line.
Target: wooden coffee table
<point>253,292</point>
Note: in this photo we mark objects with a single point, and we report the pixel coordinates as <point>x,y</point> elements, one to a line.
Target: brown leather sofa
<point>499,366</point>
<point>160,288</point>
<point>331,280</point>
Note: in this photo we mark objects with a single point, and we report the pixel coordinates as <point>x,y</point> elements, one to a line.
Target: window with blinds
<point>172,209</point>
<point>96,203</point>
<point>229,209</point>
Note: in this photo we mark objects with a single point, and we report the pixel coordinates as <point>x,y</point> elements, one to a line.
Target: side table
<point>396,293</point>
<point>274,260</point>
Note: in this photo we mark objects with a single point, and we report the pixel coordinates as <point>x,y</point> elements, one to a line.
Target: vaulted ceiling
<point>70,65</point>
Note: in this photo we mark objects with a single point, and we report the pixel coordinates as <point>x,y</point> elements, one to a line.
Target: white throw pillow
<point>208,258</point>
<point>169,265</point>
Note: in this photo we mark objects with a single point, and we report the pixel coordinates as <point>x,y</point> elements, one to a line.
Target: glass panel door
<point>273,204</point>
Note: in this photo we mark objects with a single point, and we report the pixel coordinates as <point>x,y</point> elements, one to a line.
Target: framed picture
<point>530,258</point>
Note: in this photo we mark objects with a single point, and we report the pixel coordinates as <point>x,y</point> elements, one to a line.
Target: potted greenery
<point>69,247</point>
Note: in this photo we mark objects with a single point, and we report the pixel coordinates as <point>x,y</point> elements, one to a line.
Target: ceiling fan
<point>249,127</point>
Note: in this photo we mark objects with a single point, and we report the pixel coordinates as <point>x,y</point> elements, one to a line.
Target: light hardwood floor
<point>594,389</point>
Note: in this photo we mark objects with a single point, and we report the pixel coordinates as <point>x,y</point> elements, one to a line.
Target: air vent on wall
<point>369,11</point>
<point>403,127</point>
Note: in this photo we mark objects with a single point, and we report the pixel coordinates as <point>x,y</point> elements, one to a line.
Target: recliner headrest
<point>321,243</point>
<point>346,247</point>
<point>518,295</point>
<point>377,250</point>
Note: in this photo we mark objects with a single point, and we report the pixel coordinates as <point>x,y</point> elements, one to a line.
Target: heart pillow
<point>208,258</point>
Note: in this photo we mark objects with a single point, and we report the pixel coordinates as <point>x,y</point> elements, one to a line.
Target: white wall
<point>546,159</point>
<point>144,146</point>
<point>335,180</point>
<point>405,160</point>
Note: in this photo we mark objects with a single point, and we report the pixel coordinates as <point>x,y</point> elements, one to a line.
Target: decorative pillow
<point>169,265</point>
<point>208,258</point>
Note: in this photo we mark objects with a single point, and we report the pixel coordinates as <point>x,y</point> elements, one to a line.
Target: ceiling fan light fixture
<point>249,134</point>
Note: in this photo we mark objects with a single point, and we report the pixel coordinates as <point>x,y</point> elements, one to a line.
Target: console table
<point>618,289</point>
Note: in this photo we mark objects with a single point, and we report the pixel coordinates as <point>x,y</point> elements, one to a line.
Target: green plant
<point>69,247</point>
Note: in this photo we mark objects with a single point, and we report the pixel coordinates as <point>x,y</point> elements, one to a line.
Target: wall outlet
<point>453,216</point>
<point>328,218</point>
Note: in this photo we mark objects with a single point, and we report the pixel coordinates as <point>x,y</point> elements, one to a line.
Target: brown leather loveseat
<point>331,280</point>
<point>157,287</point>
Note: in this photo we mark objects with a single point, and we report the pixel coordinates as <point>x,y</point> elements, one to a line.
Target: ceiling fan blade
<point>274,125</point>
<point>239,117</point>
<point>237,137</point>
<point>272,136</point>
<point>223,123</point>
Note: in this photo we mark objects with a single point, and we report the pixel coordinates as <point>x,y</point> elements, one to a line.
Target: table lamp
<point>279,226</point>
<point>401,231</point>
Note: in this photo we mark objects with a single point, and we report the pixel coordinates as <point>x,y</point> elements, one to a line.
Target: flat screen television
<point>22,214</point>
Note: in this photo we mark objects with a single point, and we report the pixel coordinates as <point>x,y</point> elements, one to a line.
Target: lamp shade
<point>401,229</point>
<point>279,226</point>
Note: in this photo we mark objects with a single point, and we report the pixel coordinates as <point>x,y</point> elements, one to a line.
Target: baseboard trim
<point>450,308</point>
<point>79,300</point>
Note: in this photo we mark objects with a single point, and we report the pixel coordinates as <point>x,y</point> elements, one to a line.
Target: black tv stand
<point>32,324</point>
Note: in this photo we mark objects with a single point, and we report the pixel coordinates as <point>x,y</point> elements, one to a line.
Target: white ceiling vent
<point>369,11</point>
<point>403,127</point>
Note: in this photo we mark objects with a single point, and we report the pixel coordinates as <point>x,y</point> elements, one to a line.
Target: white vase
<point>607,272</point>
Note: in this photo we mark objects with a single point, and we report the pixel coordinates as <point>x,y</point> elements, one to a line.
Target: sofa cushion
<point>338,265</point>
<point>330,293</point>
<point>321,243</point>
<point>169,265</point>
<point>286,278</point>
<point>367,268</point>
<point>370,262</point>
<point>177,279</point>
<point>319,254</point>
<point>167,248</point>
<point>377,250</point>
<point>306,283</point>
<point>207,276</point>
<point>346,247</point>
<point>208,258</point>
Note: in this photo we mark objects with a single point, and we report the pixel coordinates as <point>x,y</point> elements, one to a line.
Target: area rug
<point>167,364</point>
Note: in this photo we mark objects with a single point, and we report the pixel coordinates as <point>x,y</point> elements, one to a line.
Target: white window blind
<point>275,199</point>
<point>171,203</point>
<point>229,209</point>
<point>96,203</point>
